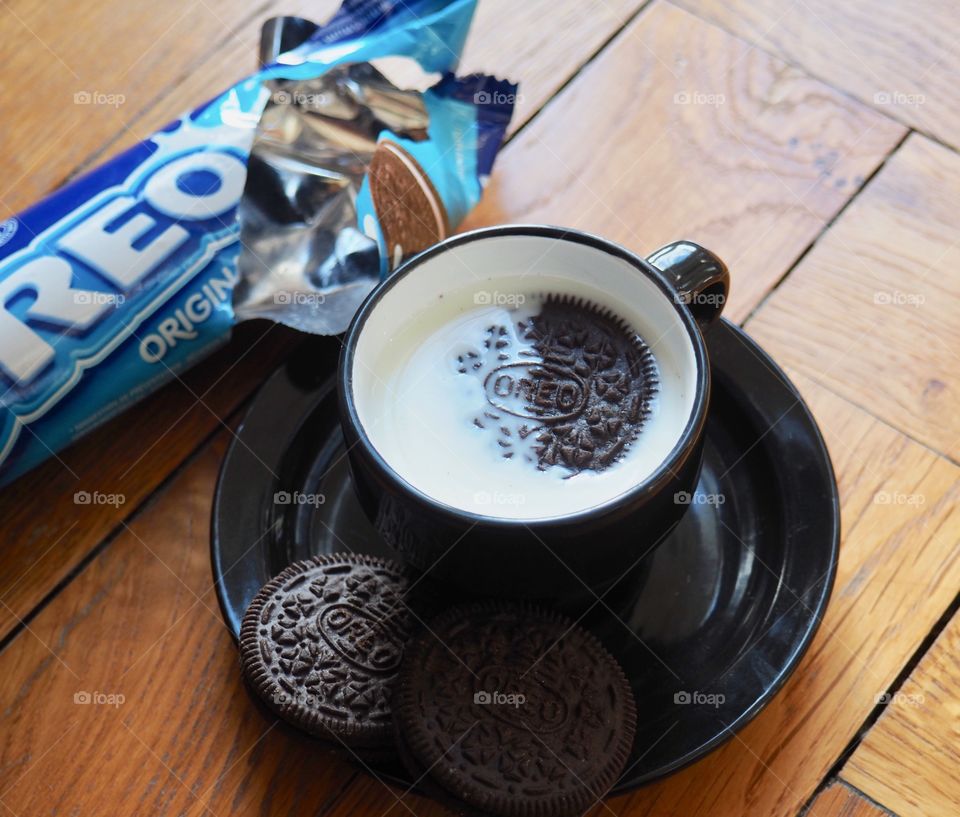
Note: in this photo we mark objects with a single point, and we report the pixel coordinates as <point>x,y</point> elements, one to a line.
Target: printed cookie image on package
<point>410,214</point>
<point>287,197</point>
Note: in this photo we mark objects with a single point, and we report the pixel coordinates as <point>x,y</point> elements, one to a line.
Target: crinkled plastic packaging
<point>287,197</point>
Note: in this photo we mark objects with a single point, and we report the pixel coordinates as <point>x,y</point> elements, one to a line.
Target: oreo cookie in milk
<point>132,273</point>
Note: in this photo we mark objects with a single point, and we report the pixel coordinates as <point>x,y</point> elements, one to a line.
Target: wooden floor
<point>811,143</point>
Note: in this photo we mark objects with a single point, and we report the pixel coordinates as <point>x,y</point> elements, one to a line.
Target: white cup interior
<point>445,285</point>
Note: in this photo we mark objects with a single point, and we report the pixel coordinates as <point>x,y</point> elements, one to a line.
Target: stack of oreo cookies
<point>495,708</point>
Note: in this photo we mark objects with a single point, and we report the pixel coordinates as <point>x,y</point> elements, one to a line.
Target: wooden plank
<point>190,52</point>
<point>909,760</point>
<point>142,622</point>
<point>46,533</point>
<point>366,796</point>
<point>52,51</point>
<point>899,569</point>
<point>873,311</point>
<point>678,130</point>
<point>842,801</point>
<point>542,45</point>
<point>900,57</point>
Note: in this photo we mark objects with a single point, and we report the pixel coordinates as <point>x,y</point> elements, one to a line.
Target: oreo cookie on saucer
<point>321,643</point>
<point>498,708</point>
<point>509,710</point>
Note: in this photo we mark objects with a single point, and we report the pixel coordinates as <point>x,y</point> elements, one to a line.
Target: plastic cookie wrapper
<point>287,197</point>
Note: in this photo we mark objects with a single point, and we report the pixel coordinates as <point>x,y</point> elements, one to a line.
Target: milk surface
<point>437,401</point>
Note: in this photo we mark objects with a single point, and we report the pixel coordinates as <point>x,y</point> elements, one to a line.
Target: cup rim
<point>647,488</point>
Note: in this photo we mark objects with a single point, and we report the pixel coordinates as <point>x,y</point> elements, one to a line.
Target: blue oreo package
<point>288,196</point>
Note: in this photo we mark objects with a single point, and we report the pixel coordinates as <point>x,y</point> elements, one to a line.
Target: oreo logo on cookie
<point>543,705</point>
<point>360,638</point>
<point>321,643</point>
<point>535,392</point>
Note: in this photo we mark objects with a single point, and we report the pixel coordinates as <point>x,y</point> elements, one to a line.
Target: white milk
<point>423,413</point>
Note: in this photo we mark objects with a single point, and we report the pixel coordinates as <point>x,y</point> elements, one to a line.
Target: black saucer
<point>732,598</point>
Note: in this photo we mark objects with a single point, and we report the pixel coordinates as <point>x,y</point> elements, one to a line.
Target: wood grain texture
<point>686,131</point>
<point>900,57</point>
<point>899,569</point>
<point>369,797</point>
<point>873,311</point>
<point>910,759</point>
<point>539,43</point>
<point>142,622</point>
<point>842,801</point>
<point>46,533</point>
<point>678,130</point>
<point>52,51</point>
<point>188,52</point>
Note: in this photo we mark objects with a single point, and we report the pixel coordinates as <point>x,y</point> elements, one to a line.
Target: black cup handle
<point>701,279</point>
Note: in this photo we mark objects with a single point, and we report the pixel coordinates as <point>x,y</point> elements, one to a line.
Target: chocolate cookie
<point>581,392</point>
<point>514,711</point>
<point>320,644</point>
<point>411,214</point>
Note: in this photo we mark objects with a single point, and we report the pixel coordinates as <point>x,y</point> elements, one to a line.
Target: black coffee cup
<point>674,295</point>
